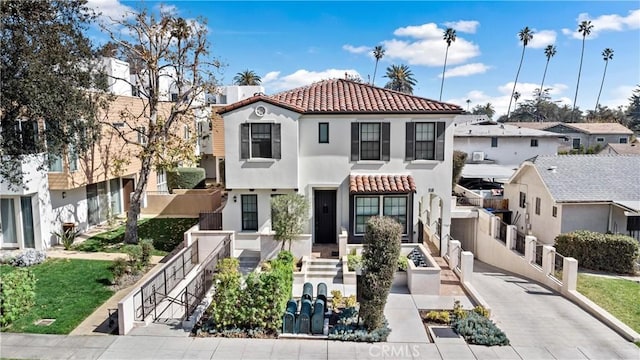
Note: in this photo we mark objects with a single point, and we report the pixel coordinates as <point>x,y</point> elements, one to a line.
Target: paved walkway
<point>542,324</point>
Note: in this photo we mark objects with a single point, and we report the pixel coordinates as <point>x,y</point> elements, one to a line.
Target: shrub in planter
<point>29,257</point>
<point>134,252</point>
<point>146,249</point>
<point>118,269</point>
<point>348,329</point>
<point>17,290</point>
<point>438,317</point>
<point>379,262</point>
<point>597,251</point>
<point>186,178</point>
<point>478,330</point>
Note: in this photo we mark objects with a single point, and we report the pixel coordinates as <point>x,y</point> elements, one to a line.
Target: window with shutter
<point>425,141</point>
<point>260,140</point>
<point>370,141</point>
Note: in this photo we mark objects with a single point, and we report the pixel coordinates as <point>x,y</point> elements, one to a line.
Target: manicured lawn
<point>66,290</point>
<point>166,234</point>
<point>618,296</point>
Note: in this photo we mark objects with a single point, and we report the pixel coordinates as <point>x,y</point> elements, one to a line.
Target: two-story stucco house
<point>352,149</point>
<point>559,194</point>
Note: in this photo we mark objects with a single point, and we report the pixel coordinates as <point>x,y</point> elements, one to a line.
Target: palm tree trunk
<point>515,83</point>
<point>373,82</point>
<point>446,54</point>
<point>575,98</point>
<point>544,75</point>
<point>602,84</point>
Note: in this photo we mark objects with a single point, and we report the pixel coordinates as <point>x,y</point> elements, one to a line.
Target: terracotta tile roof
<point>345,96</point>
<point>381,184</point>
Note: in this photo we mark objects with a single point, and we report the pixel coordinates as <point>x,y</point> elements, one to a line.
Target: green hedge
<point>18,290</point>
<point>597,251</point>
<point>256,306</point>
<point>186,178</point>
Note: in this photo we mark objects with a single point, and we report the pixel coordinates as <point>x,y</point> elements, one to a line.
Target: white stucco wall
<point>261,173</point>
<point>510,150</point>
<point>232,213</point>
<point>544,226</point>
<point>73,208</point>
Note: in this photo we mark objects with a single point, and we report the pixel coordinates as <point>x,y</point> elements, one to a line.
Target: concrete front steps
<point>325,269</point>
<point>249,260</point>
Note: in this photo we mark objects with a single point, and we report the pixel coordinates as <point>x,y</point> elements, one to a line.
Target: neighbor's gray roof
<point>490,129</point>
<point>583,178</point>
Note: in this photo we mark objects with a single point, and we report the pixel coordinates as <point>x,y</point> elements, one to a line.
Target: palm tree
<point>549,52</point>
<point>468,103</point>
<point>449,37</point>
<point>378,53</point>
<point>584,28</point>
<point>525,36</point>
<point>516,96</point>
<point>247,77</point>
<point>607,54</point>
<point>400,79</point>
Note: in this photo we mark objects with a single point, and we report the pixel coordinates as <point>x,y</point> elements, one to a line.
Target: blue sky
<point>291,44</point>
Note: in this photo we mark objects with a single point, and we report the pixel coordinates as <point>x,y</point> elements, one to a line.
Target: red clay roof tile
<point>381,184</point>
<point>345,96</point>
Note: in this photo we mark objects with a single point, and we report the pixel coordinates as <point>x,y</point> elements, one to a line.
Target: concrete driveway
<point>540,323</point>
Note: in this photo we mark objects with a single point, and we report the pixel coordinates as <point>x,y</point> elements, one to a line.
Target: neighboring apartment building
<point>490,142</point>
<point>632,148</point>
<point>353,150</point>
<point>559,194</point>
<point>584,135</point>
<point>83,189</point>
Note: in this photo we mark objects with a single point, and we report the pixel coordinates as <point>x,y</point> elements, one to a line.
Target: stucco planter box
<point>300,277</point>
<point>424,280</point>
<point>400,278</point>
<point>348,277</point>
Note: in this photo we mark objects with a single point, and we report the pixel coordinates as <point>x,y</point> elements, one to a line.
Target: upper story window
<point>323,133</point>
<point>494,142</point>
<point>534,142</point>
<point>623,140</point>
<point>142,135</point>
<point>260,140</point>
<point>161,181</point>
<point>370,141</point>
<point>523,200</point>
<point>425,141</point>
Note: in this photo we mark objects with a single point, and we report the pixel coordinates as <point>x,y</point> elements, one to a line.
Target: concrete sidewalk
<point>28,346</point>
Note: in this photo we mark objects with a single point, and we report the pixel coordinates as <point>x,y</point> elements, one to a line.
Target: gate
<point>210,220</point>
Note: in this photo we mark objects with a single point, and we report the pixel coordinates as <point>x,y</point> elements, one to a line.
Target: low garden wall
<point>184,202</point>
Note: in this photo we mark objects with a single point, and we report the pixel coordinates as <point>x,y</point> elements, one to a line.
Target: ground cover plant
<point>66,290</point>
<point>619,297</point>
<point>165,234</point>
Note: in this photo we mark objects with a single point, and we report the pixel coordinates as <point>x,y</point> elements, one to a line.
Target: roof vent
<point>552,169</point>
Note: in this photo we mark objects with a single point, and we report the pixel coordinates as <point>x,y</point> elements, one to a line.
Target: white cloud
<point>430,52</point>
<point>542,38</point>
<point>355,49</point>
<point>609,22</point>
<point>466,70</point>
<point>617,96</point>
<point>270,76</point>
<point>110,9</point>
<point>273,82</point>
<point>466,26</point>
<point>424,31</point>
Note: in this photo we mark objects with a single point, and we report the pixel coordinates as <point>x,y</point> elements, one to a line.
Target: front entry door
<point>324,214</point>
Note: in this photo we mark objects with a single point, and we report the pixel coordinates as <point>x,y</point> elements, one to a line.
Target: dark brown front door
<point>127,189</point>
<point>324,214</point>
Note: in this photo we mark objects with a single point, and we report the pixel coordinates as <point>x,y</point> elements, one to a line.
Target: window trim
<point>430,143</point>
<point>623,140</point>
<point>537,207</point>
<point>246,142</point>
<point>379,141</point>
<point>384,142</point>
<point>380,198</point>
<point>573,143</point>
<point>554,211</point>
<point>534,142</point>
<point>600,139</point>
<point>142,135</point>
<point>494,141</point>
<point>522,201</point>
<point>243,212</point>
<point>322,140</point>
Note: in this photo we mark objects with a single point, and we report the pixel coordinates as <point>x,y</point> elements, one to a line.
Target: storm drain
<point>45,322</point>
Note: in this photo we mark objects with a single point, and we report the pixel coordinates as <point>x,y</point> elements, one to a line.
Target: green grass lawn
<point>166,234</point>
<point>66,290</point>
<point>618,296</point>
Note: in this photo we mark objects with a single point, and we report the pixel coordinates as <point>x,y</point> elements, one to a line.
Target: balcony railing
<point>520,242</point>
<point>487,203</point>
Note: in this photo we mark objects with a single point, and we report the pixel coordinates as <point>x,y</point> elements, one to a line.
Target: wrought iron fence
<point>502,231</point>
<point>538,257</point>
<point>159,286</point>
<point>520,245</point>
<point>197,288</point>
<point>558,266</point>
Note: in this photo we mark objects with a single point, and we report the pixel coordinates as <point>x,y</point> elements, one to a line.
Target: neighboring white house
<point>584,135</point>
<point>559,194</point>
<point>490,142</point>
<point>353,150</point>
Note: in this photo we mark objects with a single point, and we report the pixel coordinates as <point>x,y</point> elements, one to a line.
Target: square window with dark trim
<point>534,142</point>
<point>523,199</point>
<point>623,140</point>
<point>260,140</point>
<point>370,141</point>
<point>494,142</point>
<point>249,212</point>
<point>424,141</point>
<point>323,133</point>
